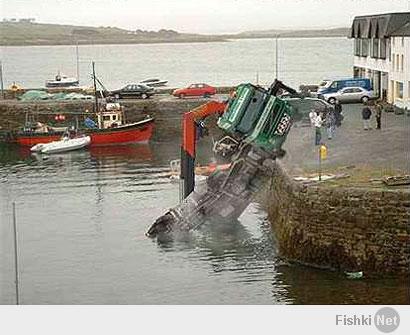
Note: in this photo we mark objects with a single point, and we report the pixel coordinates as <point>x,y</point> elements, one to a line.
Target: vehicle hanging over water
<point>256,123</point>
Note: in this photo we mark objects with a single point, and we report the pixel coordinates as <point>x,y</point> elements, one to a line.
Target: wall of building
<point>344,229</point>
<point>386,73</point>
<point>400,72</point>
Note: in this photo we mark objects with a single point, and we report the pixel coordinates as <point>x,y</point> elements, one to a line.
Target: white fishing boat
<point>64,145</point>
<point>62,81</point>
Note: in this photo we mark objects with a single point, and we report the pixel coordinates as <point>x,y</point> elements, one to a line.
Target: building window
<point>388,48</point>
<point>393,61</point>
<point>365,47</point>
<point>402,63</point>
<point>383,48</point>
<point>397,62</point>
<point>357,47</point>
<point>399,90</point>
<point>402,41</point>
<point>375,48</point>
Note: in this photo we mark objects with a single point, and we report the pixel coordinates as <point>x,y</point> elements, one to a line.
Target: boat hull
<point>139,132</point>
<point>28,140</point>
<point>134,133</point>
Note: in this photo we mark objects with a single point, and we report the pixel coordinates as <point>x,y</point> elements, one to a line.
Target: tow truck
<point>255,122</point>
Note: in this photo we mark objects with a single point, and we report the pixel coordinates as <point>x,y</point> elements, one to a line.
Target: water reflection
<point>306,285</point>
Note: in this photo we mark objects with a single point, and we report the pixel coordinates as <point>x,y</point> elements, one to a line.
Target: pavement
<point>386,151</point>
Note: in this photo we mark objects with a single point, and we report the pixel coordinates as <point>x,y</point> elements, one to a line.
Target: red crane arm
<point>188,146</point>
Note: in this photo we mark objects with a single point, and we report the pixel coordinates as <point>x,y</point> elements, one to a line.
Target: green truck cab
<point>243,110</point>
<point>259,118</point>
<point>273,125</point>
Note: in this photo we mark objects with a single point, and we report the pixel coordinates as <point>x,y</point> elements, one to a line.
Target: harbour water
<point>81,219</point>
<point>218,63</point>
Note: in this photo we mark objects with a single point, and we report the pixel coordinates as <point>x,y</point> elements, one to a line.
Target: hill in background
<point>333,32</point>
<point>30,33</point>
<point>26,33</point>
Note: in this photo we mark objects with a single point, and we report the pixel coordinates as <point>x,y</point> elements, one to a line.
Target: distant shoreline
<point>40,34</point>
<point>105,42</point>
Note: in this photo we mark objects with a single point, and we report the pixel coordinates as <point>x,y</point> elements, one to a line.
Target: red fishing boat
<point>111,130</point>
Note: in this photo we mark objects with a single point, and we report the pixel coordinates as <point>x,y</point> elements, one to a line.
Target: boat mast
<point>77,62</point>
<point>96,98</point>
<point>95,89</point>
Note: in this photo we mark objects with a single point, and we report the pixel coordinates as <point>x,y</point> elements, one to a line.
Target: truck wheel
<point>332,100</point>
<point>207,95</point>
<point>117,96</point>
<point>365,99</point>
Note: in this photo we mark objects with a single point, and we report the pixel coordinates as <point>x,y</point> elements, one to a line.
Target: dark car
<point>303,106</point>
<point>133,91</point>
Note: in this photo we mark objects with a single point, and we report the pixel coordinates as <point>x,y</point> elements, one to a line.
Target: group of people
<point>329,119</point>
<point>368,111</point>
<point>333,117</point>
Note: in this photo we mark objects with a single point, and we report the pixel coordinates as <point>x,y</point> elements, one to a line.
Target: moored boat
<point>63,145</point>
<point>111,130</point>
<point>62,81</point>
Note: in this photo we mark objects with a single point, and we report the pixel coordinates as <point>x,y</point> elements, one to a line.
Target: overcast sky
<point>200,16</point>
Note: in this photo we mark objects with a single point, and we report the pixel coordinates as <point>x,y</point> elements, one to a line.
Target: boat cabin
<point>111,116</point>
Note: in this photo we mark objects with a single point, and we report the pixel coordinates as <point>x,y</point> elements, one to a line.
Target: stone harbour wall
<point>341,228</point>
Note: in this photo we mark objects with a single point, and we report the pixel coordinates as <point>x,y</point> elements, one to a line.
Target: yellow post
<point>322,155</point>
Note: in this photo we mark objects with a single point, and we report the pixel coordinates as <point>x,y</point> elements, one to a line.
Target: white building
<point>382,53</point>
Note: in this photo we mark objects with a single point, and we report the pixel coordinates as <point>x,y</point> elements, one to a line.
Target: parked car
<point>349,94</point>
<point>332,86</point>
<point>203,90</point>
<point>303,106</point>
<point>133,91</point>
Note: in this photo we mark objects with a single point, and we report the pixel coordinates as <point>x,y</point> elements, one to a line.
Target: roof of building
<point>402,31</point>
<point>381,25</point>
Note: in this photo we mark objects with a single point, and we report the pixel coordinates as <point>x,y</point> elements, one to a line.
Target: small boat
<point>154,82</point>
<point>63,145</point>
<point>62,81</point>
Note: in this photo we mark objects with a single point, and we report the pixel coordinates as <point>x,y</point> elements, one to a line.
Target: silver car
<point>349,94</point>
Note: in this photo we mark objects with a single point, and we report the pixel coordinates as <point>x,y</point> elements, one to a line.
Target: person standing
<point>318,131</point>
<point>330,123</point>
<point>379,109</point>
<point>366,114</point>
<point>338,113</point>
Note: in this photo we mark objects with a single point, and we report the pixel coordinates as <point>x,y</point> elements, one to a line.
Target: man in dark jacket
<point>338,113</point>
<point>366,114</point>
<point>379,109</point>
